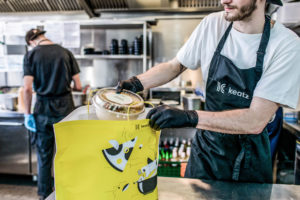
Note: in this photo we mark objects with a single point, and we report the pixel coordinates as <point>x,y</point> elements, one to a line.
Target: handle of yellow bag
<point>151,104</point>
<point>145,102</point>
<point>89,98</point>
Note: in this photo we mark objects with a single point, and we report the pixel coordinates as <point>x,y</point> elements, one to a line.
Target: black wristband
<point>193,118</point>
<point>137,84</point>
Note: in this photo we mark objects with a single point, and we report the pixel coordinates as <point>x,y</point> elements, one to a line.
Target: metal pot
<point>192,102</point>
<point>79,99</point>
<point>9,102</point>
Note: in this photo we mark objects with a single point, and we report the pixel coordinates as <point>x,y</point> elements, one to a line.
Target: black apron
<point>232,157</point>
<point>274,130</point>
<point>50,110</point>
<point>54,106</point>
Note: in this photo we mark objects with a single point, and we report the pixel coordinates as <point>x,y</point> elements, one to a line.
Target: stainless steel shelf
<point>10,70</point>
<point>114,24</point>
<point>139,57</point>
<point>144,25</point>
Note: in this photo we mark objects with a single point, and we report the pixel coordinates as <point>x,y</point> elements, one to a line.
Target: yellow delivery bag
<point>100,159</point>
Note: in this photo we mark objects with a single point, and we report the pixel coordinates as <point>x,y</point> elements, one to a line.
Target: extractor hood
<point>94,7</point>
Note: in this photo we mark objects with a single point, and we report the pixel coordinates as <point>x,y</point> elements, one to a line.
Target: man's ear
<point>32,43</point>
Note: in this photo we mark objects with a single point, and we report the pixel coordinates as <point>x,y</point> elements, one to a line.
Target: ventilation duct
<point>90,6</point>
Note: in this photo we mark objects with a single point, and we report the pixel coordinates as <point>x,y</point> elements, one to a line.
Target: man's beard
<point>243,12</point>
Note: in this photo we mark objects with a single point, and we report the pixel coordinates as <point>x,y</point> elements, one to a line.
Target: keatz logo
<point>221,88</point>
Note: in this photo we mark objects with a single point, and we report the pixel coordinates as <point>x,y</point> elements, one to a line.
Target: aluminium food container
<point>112,106</point>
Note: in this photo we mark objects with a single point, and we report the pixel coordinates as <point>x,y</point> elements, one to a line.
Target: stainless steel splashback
<point>3,79</point>
<point>11,78</point>
<point>169,35</point>
<point>107,73</point>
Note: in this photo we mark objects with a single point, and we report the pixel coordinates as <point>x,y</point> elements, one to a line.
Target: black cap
<point>277,2</point>
<point>32,34</point>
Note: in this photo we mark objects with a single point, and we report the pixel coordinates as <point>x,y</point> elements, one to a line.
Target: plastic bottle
<point>188,149</point>
<point>182,157</point>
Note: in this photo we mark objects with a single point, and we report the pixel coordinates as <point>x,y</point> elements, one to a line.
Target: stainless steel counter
<point>17,155</point>
<point>8,113</point>
<point>190,189</point>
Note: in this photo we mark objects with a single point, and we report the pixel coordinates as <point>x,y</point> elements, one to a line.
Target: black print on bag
<point>147,186</point>
<point>118,155</point>
<point>148,177</point>
<point>125,187</point>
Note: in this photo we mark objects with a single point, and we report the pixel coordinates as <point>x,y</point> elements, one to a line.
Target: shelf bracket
<point>85,4</point>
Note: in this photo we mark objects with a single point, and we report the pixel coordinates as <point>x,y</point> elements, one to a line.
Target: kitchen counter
<point>17,155</point>
<point>190,189</point>
<point>294,128</point>
<point>9,113</point>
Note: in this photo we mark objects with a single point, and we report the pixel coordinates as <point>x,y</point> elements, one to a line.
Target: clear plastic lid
<point>108,99</point>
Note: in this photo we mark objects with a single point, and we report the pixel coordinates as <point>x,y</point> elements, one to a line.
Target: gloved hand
<point>169,117</point>
<point>133,84</point>
<point>29,122</point>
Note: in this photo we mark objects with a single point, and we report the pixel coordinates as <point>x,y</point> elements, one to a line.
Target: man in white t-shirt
<point>250,66</point>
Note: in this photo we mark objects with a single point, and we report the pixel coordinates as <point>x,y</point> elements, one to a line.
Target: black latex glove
<point>169,117</point>
<point>133,84</point>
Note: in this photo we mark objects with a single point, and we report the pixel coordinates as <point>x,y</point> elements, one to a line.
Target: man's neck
<point>44,41</point>
<point>251,25</point>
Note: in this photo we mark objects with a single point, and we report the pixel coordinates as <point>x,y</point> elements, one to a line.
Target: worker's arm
<point>77,83</point>
<point>239,121</point>
<point>28,80</point>
<point>249,121</point>
<point>161,73</point>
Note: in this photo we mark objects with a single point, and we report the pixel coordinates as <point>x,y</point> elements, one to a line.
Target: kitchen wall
<point>2,79</point>
<point>169,35</point>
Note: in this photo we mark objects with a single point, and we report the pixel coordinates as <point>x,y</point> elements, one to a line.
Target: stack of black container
<point>138,45</point>
<point>124,47</point>
<point>135,49</point>
<point>114,47</point>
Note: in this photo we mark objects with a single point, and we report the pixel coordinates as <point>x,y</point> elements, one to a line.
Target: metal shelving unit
<point>123,24</point>
<point>110,57</point>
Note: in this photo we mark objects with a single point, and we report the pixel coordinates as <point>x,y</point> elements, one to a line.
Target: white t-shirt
<point>280,81</point>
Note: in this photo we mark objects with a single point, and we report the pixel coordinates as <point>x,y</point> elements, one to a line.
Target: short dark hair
<point>33,34</point>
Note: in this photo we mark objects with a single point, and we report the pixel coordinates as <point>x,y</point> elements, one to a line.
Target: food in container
<point>112,106</point>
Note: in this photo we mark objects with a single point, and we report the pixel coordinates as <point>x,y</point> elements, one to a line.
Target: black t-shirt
<point>52,67</point>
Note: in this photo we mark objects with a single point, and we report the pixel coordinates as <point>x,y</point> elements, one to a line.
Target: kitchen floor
<point>17,187</point>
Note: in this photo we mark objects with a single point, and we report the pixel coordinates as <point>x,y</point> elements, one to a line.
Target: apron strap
<point>237,165</point>
<point>244,154</point>
<point>262,48</point>
<point>223,39</point>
